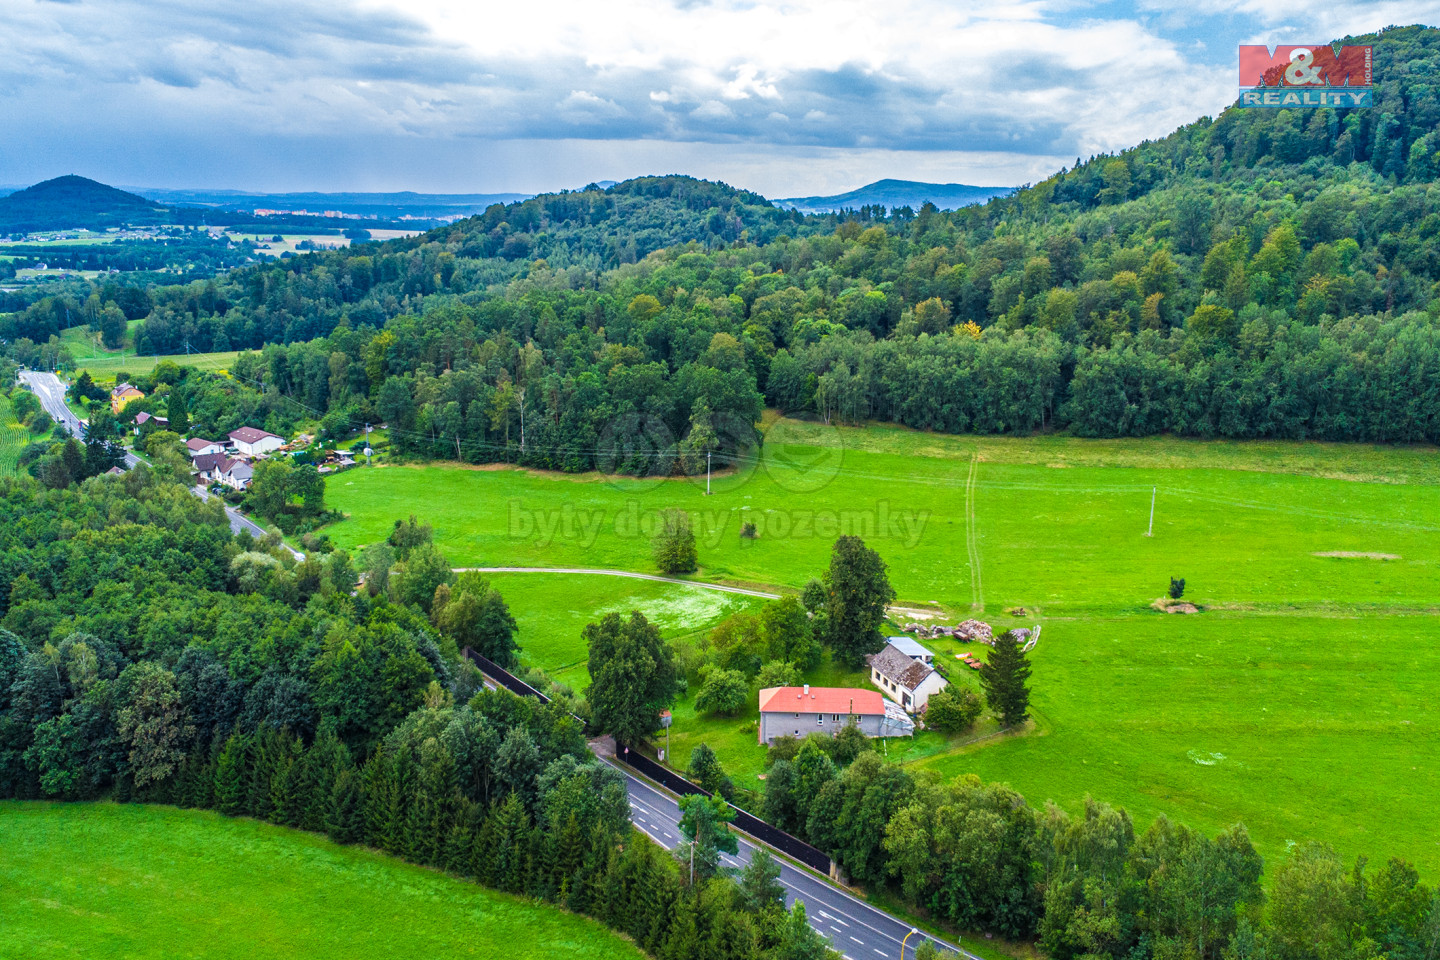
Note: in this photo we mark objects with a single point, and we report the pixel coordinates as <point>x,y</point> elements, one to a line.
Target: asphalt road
<point>855,928</point>
<point>50,390</point>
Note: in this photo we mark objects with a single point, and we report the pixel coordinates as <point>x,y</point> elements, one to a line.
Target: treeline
<point>979,857</point>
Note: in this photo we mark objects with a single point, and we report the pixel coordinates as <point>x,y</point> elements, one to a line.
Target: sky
<point>792,98</point>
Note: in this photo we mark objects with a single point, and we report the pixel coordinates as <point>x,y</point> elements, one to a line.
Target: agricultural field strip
<point>624,573</point>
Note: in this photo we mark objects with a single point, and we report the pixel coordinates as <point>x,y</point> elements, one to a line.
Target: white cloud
<point>185,89</point>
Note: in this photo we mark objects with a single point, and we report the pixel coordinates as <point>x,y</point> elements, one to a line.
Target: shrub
<point>778,673</point>
<point>953,710</point>
<point>674,543</point>
<point>723,691</point>
<point>1177,588</point>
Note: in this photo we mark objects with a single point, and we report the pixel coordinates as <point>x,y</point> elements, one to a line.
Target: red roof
<point>821,700</point>
<point>249,435</point>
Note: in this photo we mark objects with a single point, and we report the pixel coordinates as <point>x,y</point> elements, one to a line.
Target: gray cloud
<point>308,82</point>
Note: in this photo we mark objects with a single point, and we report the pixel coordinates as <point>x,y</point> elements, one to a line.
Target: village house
<point>235,474</point>
<point>143,418</point>
<point>253,442</point>
<point>199,447</point>
<point>906,680</point>
<point>208,466</point>
<point>122,395</point>
<point>801,711</point>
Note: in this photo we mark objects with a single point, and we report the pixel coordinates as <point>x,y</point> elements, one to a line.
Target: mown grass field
<point>103,364</point>
<point>103,880</point>
<point>13,437</point>
<point>1294,703</point>
<point>550,627</point>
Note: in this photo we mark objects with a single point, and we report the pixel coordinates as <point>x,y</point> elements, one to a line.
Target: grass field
<point>104,363</point>
<point>101,880</point>
<point>550,632</point>
<point>13,437</point>
<point>1294,703</point>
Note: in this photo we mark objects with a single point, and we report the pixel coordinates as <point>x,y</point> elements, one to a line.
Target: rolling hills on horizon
<point>897,193</point>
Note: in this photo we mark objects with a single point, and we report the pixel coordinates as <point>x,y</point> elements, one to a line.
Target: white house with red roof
<point>801,711</point>
<point>200,447</point>
<point>253,442</point>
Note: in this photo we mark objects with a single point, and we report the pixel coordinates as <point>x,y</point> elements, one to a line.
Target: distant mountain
<point>73,201</point>
<point>898,193</point>
<point>394,205</point>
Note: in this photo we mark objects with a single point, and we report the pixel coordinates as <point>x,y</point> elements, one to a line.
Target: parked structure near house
<point>801,711</point>
<point>911,648</point>
<point>199,447</point>
<point>907,681</point>
<point>122,395</point>
<point>253,442</point>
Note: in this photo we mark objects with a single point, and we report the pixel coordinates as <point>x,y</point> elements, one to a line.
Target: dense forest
<point>1261,274</point>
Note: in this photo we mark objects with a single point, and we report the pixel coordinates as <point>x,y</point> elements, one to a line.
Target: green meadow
<point>1295,702</point>
<point>106,880</point>
<point>103,364</point>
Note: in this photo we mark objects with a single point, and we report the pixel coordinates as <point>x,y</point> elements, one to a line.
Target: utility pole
<point>707,473</point>
<point>1151,532</point>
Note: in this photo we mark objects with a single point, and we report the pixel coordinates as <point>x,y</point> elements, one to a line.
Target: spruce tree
<point>232,776</point>
<point>263,756</point>
<point>176,412</point>
<point>344,820</point>
<point>1004,679</point>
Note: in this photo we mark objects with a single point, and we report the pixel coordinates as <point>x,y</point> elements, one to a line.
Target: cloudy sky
<point>789,98</point>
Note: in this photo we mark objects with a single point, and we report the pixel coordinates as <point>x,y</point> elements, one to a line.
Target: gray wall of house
<point>774,725</point>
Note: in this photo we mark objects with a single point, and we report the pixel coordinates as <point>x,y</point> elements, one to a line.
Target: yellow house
<point>122,395</point>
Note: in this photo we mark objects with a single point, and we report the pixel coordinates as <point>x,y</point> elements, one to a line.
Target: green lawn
<point>104,363</point>
<point>13,437</point>
<point>1292,703</point>
<point>550,632</point>
<point>101,880</point>
<point>1058,525</point>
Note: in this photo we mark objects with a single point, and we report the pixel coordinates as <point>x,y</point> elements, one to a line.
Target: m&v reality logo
<point>1313,75</point>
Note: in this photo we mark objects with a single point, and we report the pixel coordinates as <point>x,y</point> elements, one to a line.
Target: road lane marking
<point>794,879</point>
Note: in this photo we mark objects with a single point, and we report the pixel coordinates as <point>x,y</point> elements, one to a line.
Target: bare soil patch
<point>1357,555</point>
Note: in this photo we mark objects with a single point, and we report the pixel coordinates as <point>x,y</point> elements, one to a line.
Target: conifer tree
<point>1004,679</point>
<point>799,940</point>
<point>232,776</point>
<point>344,819</point>
<point>263,756</point>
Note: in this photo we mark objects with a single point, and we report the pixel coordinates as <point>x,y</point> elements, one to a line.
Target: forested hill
<point>1398,138</point>
<point>1265,273</point>
<point>595,228</point>
<point>73,201</point>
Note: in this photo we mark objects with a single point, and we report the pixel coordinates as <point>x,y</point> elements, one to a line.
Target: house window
<point>835,717</point>
<point>820,719</point>
<point>797,716</point>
